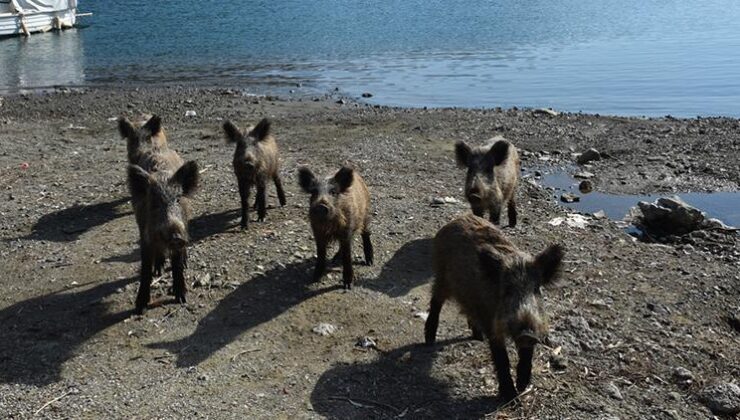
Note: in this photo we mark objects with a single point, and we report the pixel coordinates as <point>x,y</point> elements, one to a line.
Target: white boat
<point>24,17</point>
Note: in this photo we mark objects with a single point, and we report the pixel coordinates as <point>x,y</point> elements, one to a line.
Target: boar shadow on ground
<point>210,224</point>
<point>40,334</point>
<point>409,267</point>
<point>398,384</point>
<point>255,302</point>
<point>68,224</point>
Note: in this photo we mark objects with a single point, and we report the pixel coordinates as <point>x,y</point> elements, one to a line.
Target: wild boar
<point>498,287</point>
<point>339,207</point>
<point>161,187</point>
<point>493,175</point>
<point>256,161</point>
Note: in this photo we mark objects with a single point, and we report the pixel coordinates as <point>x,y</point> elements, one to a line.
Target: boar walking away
<point>339,207</point>
<point>493,175</point>
<point>497,287</point>
<point>256,161</point>
<point>161,186</point>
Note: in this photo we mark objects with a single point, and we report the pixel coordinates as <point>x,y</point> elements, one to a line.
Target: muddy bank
<point>628,316</point>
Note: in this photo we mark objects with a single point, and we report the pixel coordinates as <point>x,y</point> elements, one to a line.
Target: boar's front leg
<point>475,330</point>
<point>367,248</point>
<point>503,370</point>
<point>524,368</point>
<point>158,265</point>
<point>512,212</point>
<point>145,280</point>
<point>495,216</point>
<point>320,268</point>
<point>244,196</point>
<point>179,288</point>
<point>261,200</point>
<point>432,323</point>
<point>348,275</point>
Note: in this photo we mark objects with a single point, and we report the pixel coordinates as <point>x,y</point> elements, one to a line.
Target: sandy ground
<point>627,316</point>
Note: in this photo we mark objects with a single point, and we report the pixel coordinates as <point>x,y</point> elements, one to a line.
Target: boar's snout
<point>320,210</point>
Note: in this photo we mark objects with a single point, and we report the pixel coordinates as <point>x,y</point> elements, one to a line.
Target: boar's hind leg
<point>178,275</point>
<point>348,275</point>
<point>261,201</point>
<point>158,265</point>
<point>430,327</point>
<point>280,191</point>
<point>503,370</point>
<point>495,216</point>
<point>244,196</point>
<point>477,333</point>
<point>320,268</point>
<point>367,248</point>
<point>512,212</point>
<point>524,368</point>
<point>145,281</point>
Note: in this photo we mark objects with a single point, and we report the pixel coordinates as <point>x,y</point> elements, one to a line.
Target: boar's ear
<point>549,262</point>
<point>154,125</point>
<point>344,178</point>
<point>306,179</point>
<point>187,177</point>
<point>462,154</point>
<point>138,180</point>
<point>232,132</point>
<point>126,129</point>
<point>498,152</point>
<point>491,261</point>
<point>262,130</point>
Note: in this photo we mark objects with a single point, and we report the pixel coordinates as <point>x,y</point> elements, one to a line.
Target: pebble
<point>684,375</point>
<point>367,95</point>
<point>203,281</point>
<point>612,390</point>
<point>721,398</point>
<point>588,156</point>
<point>569,198</point>
<point>324,329</point>
<point>366,342</point>
<point>191,113</point>
<point>584,175</point>
<point>586,186</point>
<point>558,362</point>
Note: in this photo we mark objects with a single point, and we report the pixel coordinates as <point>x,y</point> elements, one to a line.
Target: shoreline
<point>626,312</point>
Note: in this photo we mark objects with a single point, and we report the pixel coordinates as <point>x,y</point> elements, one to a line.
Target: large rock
<point>669,216</point>
<point>588,156</point>
<point>722,398</point>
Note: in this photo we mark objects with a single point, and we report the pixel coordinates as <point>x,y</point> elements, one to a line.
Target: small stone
<point>324,329</point>
<point>612,390</point>
<point>421,314</point>
<point>683,375</point>
<point>584,175</point>
<point>599,303</point>
<point>203,281</point>
<point>558,363</point>
<point>191,113</point>
<point>588,156</point>
<point>569,198</point>
<point>366,342</point>
<point>367,95</point>
<point>545,111</point>
<point>721,398</point>
<point>600,215</point>
<point>586,186</point>
<point>341,101</point>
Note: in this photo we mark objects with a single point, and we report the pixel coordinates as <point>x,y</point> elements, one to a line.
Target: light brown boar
<point>256,161</point>
<point>339,208</point>
<point>498,287</point>
<point>492,178</point>
<point>161,186</point>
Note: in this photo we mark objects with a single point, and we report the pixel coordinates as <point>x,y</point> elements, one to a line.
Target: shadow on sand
<point>410,266</point>
<point>210,224</point>
<point>398,384</point>
<point>255,302</point>
<point>68,224</point>
<point>40,334</point>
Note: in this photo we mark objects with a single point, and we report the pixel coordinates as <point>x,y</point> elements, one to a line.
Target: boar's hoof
<point>347,285</point>
<point>180,298</point>
<point>139,310</point>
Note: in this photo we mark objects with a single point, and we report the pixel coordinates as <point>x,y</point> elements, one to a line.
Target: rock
<point>721,398</point>
<point>573,220</point>
<point>191,114</point>
<point>366,342</point>
<point>612,390</point>
<point>421,314</point>
<point>367,95</point>
<point>588,156</point>
<point>600,215</point>
<point>341,101</point>
<point>586,186</point>
<point>716,224</point>
<point>203,281</point>
<point>584,175</point>
<point>669,216</point>
<point>683,375</point>
<point>558,363</point>
<point>569,198</point>
<point>440,201</point>
<point>324,329</point>
<point>545,111</point>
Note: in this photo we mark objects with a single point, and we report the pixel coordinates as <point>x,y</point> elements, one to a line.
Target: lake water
<point>628,57</point>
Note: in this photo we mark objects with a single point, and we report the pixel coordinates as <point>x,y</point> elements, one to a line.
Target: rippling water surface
<point>615,57</point>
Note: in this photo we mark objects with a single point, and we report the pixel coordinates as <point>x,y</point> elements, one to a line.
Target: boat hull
<point>12,24</point>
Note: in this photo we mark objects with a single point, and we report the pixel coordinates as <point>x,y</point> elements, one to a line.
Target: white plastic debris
<point>574,220</point>
<point>324,329</point>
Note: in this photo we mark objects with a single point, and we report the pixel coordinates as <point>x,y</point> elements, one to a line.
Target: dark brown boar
<point>256,161</point>
<point>161,186</point>
<point>339,207</point>
<point>497,287</point>
<point>493,175</point>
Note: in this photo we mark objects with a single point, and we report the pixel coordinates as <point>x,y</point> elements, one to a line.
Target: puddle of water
<point>724,206</point>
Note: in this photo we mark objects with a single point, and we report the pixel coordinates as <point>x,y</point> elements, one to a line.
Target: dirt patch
<point>626,316</point>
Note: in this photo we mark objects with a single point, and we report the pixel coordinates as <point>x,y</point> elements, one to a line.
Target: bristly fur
<point>256,161</point>
<point>339,208</point>
<point>497,287</point>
